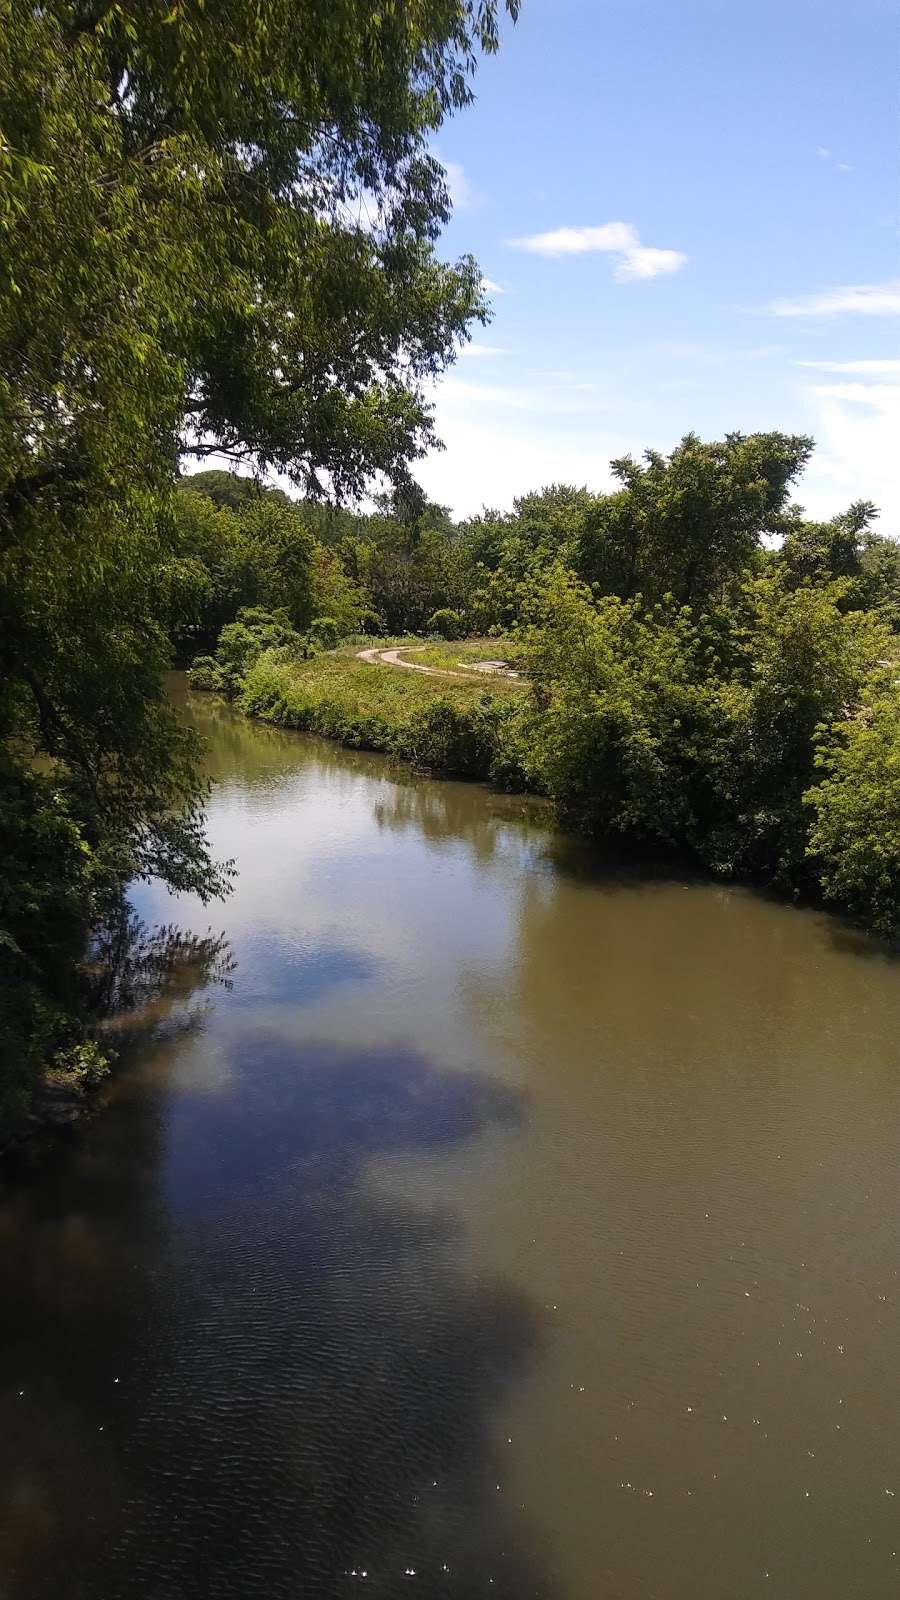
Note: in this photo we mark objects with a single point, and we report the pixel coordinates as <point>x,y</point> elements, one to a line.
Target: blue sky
<point>690,207</point>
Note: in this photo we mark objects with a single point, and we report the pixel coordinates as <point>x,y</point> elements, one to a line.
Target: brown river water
<point>519,1224</point>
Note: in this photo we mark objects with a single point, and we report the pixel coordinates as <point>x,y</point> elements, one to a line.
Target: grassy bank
<point>460,726</point>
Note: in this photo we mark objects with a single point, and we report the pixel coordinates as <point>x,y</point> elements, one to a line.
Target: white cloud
<point>856,426</point>
<point>491,463</point>
<point>462,190</point>
<point>490,287</point>
<point>874,368</point>
<point>860,299</point>
<point>823,151</point>
<point>615,236</point>
<point>643,262</point>
<point>503,440</point>
<point>611,238</point>
<point>478,350</point>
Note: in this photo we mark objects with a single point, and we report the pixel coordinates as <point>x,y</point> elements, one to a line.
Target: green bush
<point>369,622</point>
<point>446,623</point>
<point>855,835</point>
<point>205,673</point>
<point>84,1062</point>
<point>324,633</point>
<point>254,631</point>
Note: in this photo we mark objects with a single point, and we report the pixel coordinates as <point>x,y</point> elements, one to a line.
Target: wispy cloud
<point>462,191</point>
<point>868,368</point>
<point>619,239</point>
<point>825,155</point>
<point>490,287</point>
<point>855,299</point>
<point>486,350</point>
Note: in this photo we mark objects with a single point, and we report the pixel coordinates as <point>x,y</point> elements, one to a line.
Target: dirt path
<point>394,658</point>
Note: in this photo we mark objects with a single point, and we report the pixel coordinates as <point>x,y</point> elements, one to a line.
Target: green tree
<point>689,524</point>
<point>804,660</point>
<point>335,594</point>
<point>231,489</point>
<point>817,552</point>
<point>409,568</point>
<point>627,709</point>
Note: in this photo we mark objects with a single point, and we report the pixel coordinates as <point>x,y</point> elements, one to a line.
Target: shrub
<point>370,622</point>
<point>855,835</point>
<point>205,673</point>
<point>324,633</point>
<point>446,623</point>
<point>84,1062</point>
<point>254,631</point>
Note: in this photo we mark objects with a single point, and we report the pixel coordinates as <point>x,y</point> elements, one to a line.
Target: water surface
<point>514,1225</point>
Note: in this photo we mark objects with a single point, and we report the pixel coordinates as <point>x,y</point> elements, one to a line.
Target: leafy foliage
<point>855,835</point>
<point>689,524</point>
<point>445,622</point>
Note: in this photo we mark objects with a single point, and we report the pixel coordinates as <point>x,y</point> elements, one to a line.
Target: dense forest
<point>699,663</point>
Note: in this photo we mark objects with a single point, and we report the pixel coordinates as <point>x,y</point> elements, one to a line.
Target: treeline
<point>237,544</point>
<point>706,666</point>
<point>684,529</point>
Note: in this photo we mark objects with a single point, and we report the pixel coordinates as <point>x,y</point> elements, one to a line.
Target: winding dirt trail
<point>394,658</point>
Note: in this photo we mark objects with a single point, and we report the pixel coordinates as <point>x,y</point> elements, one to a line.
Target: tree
<point>217,230</point>
<point>689,524</point>
<point>817,552</point>
<point>410,568</point>
<point>703,730</point>
<point>231,489</point>
<point>626,712</point>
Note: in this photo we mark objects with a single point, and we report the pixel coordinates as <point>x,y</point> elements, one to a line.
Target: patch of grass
<point>450,656</point>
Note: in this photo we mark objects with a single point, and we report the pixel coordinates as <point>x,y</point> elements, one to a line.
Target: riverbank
<point>454,722</point>
<point>59,1100</point>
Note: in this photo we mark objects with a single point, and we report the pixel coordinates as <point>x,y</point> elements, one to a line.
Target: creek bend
<point>516,1224</point>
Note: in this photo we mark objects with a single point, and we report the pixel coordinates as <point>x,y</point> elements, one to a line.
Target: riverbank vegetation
<point>701,665</point>
<point>455,727</point>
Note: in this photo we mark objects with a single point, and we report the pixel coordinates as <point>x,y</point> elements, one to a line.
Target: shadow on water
<point>280,974</point>
<point>244,1370</point>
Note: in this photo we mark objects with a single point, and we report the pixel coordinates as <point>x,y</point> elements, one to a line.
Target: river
<point>516,1224</point>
